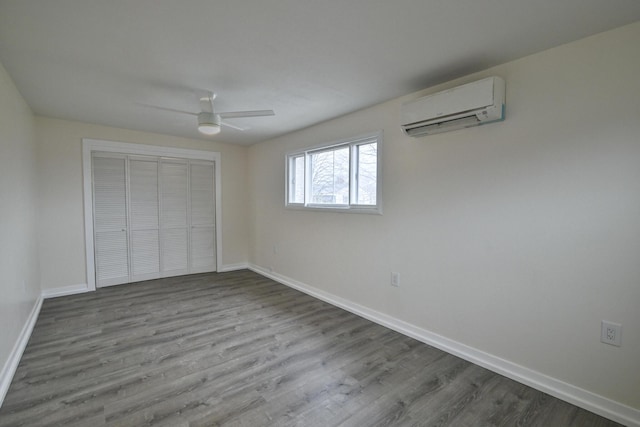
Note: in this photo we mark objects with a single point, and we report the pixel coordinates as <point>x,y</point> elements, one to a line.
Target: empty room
<point>303,213</point>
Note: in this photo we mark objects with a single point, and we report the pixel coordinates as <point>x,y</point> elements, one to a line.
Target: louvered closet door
<point>174,202</point>
<point>110,220</point>
<point>145,232</point>
<point>203,256</point>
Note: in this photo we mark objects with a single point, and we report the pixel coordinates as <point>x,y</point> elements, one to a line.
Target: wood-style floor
<point>238,349</point>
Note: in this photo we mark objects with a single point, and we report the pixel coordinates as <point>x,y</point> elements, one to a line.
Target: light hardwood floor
<point>238,349</point>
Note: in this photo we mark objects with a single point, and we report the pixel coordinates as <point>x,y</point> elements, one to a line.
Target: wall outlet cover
<point>395,279</point>
<point>611,333</point>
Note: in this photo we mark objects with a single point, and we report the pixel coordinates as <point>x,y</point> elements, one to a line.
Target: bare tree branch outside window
<point>367,173</point>
<point>330,177</point>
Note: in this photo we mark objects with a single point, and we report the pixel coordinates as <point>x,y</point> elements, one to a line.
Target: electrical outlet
<point>395,279</point>
<point>611,333</point>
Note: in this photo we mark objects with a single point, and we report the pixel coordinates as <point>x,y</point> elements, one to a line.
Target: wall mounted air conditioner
<point>469,105</point>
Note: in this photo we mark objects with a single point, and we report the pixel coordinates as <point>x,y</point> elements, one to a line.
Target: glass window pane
<point>296,179</point>
<point>341,175</point>
<point>367,173</point>
<point>330,177</point>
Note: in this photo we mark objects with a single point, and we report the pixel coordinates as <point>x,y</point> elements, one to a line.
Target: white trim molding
<point>233,267</point>
<point>65,290</point>
<point>585,399</point>
<point>10,366</point>
<point>91,145</point>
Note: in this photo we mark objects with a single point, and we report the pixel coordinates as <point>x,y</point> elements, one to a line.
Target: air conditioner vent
<point>464,106</point>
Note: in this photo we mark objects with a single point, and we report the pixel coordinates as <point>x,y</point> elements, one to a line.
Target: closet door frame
<point>91,145</point>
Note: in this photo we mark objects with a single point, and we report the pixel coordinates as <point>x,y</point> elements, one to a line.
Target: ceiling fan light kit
<point>208,123</point>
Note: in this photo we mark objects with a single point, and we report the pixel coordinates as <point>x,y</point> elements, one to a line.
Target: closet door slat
<point>110,221</point>
<point>174,191</point>
<point>203,256</point>
<point>144,238</point>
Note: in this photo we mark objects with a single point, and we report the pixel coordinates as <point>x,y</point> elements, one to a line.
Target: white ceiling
<point>98,61</point>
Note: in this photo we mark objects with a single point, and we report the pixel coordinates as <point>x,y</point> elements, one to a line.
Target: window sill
<point>369,210</point>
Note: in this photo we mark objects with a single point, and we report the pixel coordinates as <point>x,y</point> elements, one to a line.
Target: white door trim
<point>91,145</point>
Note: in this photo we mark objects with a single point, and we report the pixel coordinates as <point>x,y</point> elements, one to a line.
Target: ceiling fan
<point>210,121</point>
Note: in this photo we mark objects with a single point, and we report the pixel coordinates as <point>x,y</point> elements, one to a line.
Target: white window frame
<point>352,144</point>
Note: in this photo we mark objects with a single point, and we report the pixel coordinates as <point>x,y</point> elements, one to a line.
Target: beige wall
<point>61,220</point>
<point>19,276</point>
<point>515,238</point>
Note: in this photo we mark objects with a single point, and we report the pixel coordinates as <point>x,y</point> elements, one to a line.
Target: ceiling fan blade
<point>232,126</point>
<point>238,114</point>
<point>173,110</point>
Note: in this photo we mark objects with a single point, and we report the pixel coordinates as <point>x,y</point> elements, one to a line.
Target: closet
<point>152,217</point>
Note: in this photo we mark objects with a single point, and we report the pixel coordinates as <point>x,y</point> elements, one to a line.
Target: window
<point>342,176</point>
<point>296,170</point>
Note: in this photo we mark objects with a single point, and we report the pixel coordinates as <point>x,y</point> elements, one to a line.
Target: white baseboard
<point>233,267</point>
<point>65,290</point>
<point>83,287</point>
<point>575,395</point>
<point>10,366</point>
